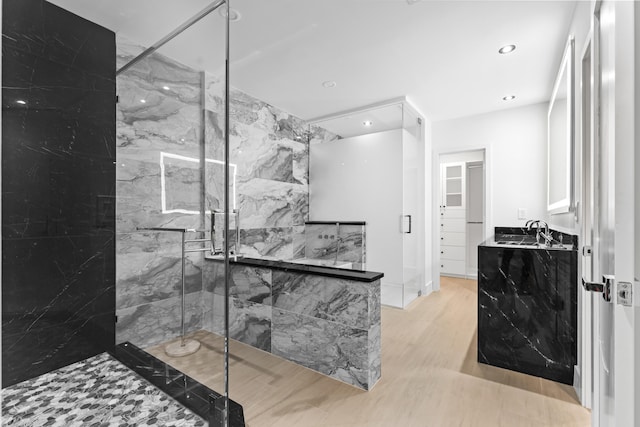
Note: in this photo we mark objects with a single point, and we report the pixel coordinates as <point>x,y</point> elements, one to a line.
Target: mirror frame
<point>565,72</point>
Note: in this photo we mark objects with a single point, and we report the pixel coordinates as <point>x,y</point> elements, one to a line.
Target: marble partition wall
<point>269,152</point>
<point>159,184</point>
<point>328,324</point>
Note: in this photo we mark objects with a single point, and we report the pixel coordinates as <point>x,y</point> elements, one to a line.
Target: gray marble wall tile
<point>322,345</point>
<point>300,206</point>
<point>341,301</point>
<point>151,324</point>
<point>375,306</point>
<point>265,204</point>
<point>323,240</point>
<point>149,268</point>
<point>269,152</point>
<point>158,180</point>
<point>298,240</point>
<point>300,152</point>
<point>249,322</point>
<point>319,135</point>
<point>246,283</point>
<point>375,354</point>
<point>271,242</point>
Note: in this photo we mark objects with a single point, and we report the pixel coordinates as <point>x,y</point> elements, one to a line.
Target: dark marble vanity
<point>527,303</point>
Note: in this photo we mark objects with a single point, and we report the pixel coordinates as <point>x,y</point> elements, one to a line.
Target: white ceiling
<point>442,55</point>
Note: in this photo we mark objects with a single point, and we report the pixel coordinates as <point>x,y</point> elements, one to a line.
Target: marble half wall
<point>327,324</point>
<point>159,184</point>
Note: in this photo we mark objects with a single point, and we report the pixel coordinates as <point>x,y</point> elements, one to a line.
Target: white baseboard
<point>577,383</point>
<point>428,289</point>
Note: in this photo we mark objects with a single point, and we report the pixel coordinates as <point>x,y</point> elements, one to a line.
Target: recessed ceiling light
<point>508,98</point>
<point>166,88</point>
<point>329,83</point>
<point>143,101</point>
<point>21,102</point>
<point>235,15</point>
<point>507,49</point>
<point>367,123</point>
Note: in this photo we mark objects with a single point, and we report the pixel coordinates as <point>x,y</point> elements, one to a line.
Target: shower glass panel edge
<point>179,107</point>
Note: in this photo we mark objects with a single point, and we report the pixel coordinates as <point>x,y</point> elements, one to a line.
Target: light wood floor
<point>430,377</point>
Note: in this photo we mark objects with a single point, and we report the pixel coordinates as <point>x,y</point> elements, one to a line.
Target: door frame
<point>587,213</point>
<point>435,194</point>
<point>617,57</point>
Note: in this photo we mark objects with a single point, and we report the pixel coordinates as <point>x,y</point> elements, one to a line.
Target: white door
<point>616,347</point>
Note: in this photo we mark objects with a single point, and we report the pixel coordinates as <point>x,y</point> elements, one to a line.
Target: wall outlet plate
<point>522,213</point>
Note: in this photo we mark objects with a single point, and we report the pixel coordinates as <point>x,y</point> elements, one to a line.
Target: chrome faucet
<point>546,235</point>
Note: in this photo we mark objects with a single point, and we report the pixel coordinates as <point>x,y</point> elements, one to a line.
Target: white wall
<point>465,156</point>
<point>360,179</point>
<point>515,147</point>
<point>515,143</point>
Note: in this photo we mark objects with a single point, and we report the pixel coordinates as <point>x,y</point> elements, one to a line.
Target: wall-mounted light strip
<point>163,194</point>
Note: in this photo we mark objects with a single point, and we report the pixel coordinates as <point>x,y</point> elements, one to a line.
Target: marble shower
<point>161,182</point>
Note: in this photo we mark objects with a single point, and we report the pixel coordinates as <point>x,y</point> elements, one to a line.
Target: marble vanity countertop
<point>339,273</point>
<point>521,238</point>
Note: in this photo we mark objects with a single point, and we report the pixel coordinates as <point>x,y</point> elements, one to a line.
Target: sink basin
<point>525,244</point>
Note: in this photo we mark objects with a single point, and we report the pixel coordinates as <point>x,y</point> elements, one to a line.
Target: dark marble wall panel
<point>58,189</point>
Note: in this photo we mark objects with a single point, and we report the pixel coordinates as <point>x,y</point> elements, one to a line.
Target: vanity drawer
<point>452,213</point>
<point>453,239</point>
<point>452,252</point>
<point>453,224</point>
<point>452,267</point>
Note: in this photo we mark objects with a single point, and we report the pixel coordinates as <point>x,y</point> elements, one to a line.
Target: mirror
<point>560,135</point>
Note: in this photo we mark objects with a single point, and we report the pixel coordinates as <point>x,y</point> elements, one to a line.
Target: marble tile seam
<point>323,319</point>
<point>159,301</point>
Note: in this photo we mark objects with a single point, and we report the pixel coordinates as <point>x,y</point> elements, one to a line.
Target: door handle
<point>408,216</point>
<point>604,287</point>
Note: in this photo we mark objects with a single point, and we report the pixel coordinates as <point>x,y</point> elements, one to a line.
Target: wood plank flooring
<point>430,377</point>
